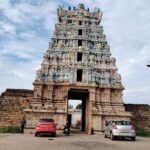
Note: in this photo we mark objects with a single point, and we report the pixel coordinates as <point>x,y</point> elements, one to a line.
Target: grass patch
<point>142,132</point>
<point>10,129</point>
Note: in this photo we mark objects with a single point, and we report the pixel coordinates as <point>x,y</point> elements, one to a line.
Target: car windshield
<point>122,122</point>
<point>46,120</point>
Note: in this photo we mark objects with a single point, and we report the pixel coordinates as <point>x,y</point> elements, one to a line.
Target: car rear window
<point>122,122</point>
<point>46,120</point>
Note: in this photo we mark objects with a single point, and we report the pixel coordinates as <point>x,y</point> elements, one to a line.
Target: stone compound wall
<point>141,114</point>
<point>12,103</point>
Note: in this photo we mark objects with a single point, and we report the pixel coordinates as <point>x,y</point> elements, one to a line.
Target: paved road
<point>72,142</point>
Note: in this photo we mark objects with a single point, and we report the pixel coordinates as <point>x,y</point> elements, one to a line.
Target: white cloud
<point>23,49</point>
<point>17,74</point>
<point>7,28</point>
<point>25,13</point>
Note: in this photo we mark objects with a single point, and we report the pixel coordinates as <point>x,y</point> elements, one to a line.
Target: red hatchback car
<point>45,125</point>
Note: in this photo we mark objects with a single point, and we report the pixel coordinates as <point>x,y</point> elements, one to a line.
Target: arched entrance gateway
<point>83,95</point>
<point>78,65</point>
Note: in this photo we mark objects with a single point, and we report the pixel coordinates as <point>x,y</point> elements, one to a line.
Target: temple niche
<point>78,65</point>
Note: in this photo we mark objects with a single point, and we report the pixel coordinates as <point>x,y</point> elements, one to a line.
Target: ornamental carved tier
<point>78,50</point>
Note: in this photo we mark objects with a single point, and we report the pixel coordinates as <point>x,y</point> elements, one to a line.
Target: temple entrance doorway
<point>83,123</point>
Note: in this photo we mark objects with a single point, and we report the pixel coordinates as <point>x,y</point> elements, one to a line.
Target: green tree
<point>79,106</point>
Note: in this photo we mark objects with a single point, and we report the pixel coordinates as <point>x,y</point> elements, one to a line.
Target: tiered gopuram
<point>78,65</point>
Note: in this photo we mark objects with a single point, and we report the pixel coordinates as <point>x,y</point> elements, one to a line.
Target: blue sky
<point>26,27</point>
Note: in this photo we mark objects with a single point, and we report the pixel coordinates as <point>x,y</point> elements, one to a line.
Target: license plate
<point>44,125</point>
<point>125,133</point>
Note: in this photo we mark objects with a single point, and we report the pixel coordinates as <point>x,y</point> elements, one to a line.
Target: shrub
<point>10,129</point>
<point>142,132</point>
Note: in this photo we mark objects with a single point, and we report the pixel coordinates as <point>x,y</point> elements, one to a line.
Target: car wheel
<point>112,136</point>
<point>54,134</point>
<point>133,138</point>
<point>37,134</point>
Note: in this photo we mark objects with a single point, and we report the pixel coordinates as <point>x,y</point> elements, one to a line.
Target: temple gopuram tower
<point>78,65</point>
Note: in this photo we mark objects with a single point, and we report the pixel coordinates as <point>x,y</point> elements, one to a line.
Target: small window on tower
<point>92,44</point>
<point>79,75</point>
<point>66,41</point>
<point>69,21</point>
<point>60,20</point>
<point>89,22</point>
<point>79,56</point>
<point>80,22</point>
<point>79,42</point>
<point>79,32</point>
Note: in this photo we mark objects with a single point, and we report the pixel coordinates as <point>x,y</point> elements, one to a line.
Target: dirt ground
<point>73,142</point>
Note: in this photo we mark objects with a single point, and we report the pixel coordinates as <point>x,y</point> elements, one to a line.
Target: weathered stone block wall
<point>12,103</point>
<point>33,116</point>
<point>141,114</point>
